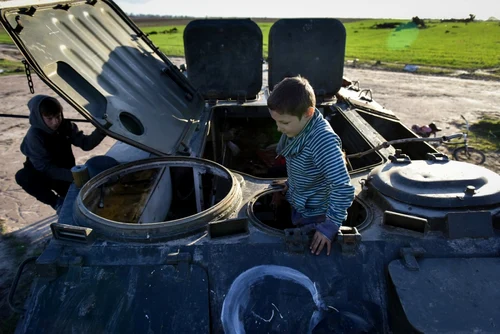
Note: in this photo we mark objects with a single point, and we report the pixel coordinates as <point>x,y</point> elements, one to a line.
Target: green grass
<point>4,38</point>
<point>454,45</point>
<point>451,45</point>
<point>10,67</point>
<point>483,135</point>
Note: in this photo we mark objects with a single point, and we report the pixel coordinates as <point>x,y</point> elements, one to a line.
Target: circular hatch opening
<point>158,198</point>
<point>275,215</point>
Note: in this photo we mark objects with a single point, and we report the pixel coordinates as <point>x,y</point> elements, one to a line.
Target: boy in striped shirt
<point>318,187</point>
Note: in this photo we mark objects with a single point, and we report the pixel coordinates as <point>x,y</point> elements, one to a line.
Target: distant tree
<point>418,22</point>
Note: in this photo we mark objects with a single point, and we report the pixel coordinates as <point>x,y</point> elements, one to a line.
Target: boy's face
<point>53,121</point>
<point>290,125</point>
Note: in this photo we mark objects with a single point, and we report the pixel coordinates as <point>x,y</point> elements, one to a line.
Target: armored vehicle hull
<point>180,235</point>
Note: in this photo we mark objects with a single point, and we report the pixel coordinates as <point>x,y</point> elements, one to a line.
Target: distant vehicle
<point>180,237</point>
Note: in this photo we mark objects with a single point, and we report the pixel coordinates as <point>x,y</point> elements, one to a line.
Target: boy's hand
<point>319,241</point>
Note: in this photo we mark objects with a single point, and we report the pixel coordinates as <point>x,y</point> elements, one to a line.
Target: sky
<point>397,9</point>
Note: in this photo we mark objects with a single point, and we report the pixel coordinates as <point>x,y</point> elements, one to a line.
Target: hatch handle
<point>438,157</point>
<point>400,158</point>
<point>366,95</point>
<point>72,233</point>
<point>184,147</point>
<point>13,287</point>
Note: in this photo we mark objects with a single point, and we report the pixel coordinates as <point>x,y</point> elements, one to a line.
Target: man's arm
<point>328,158</point>
<point>86,142</point>
<point>40,160</point>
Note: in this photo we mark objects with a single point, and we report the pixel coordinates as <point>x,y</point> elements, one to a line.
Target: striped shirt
<point>318,181</point>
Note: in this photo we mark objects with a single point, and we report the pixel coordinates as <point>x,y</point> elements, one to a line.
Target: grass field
<point>454,45</point>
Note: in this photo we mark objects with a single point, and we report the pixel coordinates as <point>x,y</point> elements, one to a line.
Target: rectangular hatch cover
<point>98,60</point>
<point>456,295</point>
<point>120,299</point>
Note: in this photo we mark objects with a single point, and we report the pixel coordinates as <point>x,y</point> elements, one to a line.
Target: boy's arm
<point>40,160</point>
<point>86,142</point>
<point>328,158</point>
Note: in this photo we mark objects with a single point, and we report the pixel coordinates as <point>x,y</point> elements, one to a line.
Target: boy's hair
<point>50,107</point>
<point>292,96</point>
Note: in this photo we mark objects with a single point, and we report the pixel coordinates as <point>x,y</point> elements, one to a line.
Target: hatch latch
<point>409,256</point>
<point>182,261</point>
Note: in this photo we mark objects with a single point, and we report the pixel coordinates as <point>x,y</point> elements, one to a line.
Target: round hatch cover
<point>450,184</point>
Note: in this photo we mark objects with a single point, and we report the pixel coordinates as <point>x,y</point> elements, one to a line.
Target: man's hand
<point>319,241</point>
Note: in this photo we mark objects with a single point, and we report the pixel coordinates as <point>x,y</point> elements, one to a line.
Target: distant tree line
<point>467,20</point>
<point>156,16</point>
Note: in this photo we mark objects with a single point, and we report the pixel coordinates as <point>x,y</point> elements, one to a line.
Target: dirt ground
<point>415,99</point>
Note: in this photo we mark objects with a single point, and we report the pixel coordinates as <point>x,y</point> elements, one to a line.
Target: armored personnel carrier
<point>179,235</point>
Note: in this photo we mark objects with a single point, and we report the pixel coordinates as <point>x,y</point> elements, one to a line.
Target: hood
<point>36,119</point>
<point>93,56</point>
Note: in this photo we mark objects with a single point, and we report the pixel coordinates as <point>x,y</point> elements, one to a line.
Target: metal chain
<point>28,76</point>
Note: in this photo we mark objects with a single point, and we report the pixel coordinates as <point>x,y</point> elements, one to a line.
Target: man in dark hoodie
<point>47,146</point>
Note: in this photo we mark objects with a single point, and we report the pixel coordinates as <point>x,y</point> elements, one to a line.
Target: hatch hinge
<point>241,96</point>
<point>19,25</point>
<point>65,7</point>
<point>409,256</point>
<point>296,240</point>
<point>184,148</point>
<point>182,261</point>
<point>349,239</point>
<point>27,11</point>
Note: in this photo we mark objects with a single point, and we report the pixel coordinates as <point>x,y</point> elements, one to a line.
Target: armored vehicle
<point>179,235</point>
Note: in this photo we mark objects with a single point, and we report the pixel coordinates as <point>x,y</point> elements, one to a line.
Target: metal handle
<point>13,287</point>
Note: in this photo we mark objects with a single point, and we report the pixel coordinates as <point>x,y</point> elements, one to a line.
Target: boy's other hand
<point>318,243</point>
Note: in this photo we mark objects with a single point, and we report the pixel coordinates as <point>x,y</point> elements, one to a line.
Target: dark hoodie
<point>50,151</point>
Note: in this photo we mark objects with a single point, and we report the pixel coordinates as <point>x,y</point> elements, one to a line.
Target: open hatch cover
<point>224,58</point>
<point>312,48</point>
<point>94,56</point>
